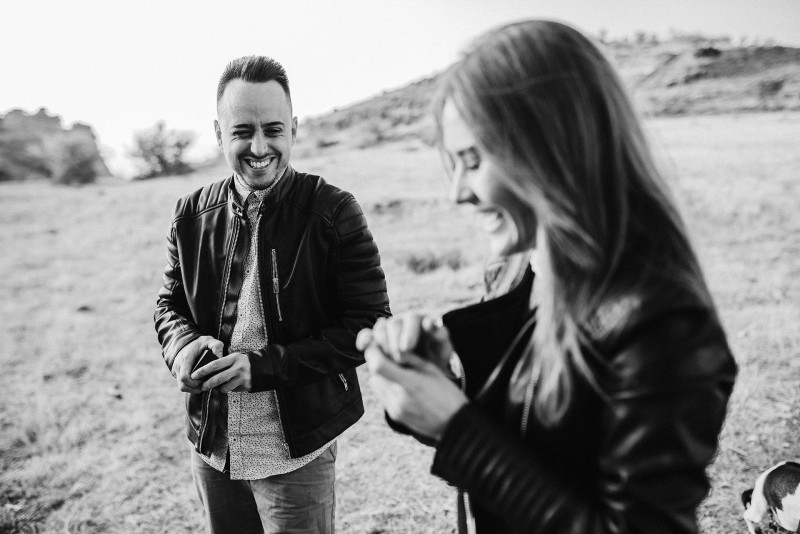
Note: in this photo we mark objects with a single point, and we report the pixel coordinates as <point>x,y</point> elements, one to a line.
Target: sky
<point>122,65</point>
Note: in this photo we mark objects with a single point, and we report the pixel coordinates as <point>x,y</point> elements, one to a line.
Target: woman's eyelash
<point>471,159</point>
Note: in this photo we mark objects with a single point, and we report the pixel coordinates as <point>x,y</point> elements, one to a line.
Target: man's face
<point>256,131</point>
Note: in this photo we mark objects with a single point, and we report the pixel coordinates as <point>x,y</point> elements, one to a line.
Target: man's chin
<point>258,180</point>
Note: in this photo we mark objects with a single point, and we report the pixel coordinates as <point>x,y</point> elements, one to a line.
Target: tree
<point>74,163</point>
<point>162,150</point>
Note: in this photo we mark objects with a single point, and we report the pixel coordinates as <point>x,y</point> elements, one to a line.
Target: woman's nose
<point>460,191</point>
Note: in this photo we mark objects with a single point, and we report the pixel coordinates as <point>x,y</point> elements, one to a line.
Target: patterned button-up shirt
<point>250,430</point>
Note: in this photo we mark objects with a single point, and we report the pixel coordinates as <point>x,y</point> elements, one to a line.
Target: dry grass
<point>91,423</point>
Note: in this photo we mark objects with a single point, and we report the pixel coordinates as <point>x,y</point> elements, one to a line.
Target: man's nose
<point>258,145</point>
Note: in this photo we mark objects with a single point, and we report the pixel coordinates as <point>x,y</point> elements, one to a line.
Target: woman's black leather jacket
<point>321,282</point>
<point>630,457</point>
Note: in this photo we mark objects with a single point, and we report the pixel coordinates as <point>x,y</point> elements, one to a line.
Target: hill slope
<point>677,77</point>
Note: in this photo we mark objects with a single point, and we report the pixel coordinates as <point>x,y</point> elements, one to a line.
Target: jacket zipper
<point>276,284</point>
<point>526,405</point>
<point>344,381</point>
<point>226,279</point>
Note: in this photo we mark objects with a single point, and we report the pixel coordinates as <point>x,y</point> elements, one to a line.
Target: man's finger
<point>216,347</point>
<point>231,385</point>
<point>219,379</point>
<point>211,368</point>
<point>188,389</point>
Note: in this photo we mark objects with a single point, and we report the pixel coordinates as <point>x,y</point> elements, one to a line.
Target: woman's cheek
<point>524,221</point>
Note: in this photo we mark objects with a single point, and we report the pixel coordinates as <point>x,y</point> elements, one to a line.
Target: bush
<point>768,89</point>
<point>74,164</point>
<point>429,261</point>
<point>708,51</point>
<point>162,150</point>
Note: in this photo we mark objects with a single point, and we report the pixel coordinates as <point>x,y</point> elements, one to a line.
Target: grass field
<point>91,421</point>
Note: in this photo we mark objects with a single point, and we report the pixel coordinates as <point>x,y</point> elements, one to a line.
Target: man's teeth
<point>259,164</point>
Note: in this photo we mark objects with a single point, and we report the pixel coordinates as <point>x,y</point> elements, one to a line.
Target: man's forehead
<point>266,101</point>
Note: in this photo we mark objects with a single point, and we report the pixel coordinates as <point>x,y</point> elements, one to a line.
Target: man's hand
<point>187,358</point>
<point>230,373</point>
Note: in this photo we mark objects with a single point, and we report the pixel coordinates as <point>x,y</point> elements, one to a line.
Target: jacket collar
<point>277,195</point>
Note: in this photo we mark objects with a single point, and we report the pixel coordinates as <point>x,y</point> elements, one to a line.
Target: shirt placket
<point>253,335</point>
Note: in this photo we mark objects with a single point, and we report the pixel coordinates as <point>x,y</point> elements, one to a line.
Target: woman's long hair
<point>546,105</point>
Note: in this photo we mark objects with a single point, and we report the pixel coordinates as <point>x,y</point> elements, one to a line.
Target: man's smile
<point>259,163</point>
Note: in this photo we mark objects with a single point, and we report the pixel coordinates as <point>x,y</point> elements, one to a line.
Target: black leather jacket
<point>631,459</point>
<point>321,282</point>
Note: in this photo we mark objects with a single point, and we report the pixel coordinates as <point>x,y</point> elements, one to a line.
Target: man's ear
<point>294,129</point>
<point>218,132</point>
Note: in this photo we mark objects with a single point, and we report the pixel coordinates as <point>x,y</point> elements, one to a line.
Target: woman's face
<point>477,179</point>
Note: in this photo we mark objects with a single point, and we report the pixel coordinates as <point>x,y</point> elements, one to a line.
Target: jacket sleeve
<point>360,298</point>
<point>173,322</point>
<point>656,440</point>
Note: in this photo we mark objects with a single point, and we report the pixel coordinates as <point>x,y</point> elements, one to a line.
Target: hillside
<point>682,76</point>
<point>38,146</point>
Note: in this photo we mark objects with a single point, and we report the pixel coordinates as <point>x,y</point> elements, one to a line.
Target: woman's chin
<point>500,248</point>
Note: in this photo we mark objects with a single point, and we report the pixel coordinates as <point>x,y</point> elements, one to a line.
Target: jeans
<point>302,501</point>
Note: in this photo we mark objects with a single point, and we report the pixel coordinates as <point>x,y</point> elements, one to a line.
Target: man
<point>274,271</point>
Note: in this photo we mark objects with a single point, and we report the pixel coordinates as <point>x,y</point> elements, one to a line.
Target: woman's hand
<point>407,334</point>
<point>413,391</point>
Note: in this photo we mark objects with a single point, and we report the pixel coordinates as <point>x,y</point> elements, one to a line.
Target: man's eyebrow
<point>248,126</point>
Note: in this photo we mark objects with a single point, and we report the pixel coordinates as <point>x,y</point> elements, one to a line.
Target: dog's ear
<point>747,496</point>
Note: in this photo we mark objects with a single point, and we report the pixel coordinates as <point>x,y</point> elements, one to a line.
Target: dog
<point>777,493</point>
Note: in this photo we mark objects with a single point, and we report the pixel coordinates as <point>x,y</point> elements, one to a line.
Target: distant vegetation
<point>161,152</point>
<point>687,74</point>
<point>38,147</point>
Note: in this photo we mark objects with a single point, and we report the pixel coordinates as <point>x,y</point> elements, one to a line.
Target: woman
<point>592,403</point>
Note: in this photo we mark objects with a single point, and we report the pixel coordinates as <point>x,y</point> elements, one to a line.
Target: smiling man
<point>270,275</point>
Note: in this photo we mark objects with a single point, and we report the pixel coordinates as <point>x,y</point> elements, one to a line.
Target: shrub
<point>429,261</point>
<point>74,163</point>
<point>162,150</point>
<point>707,51</point>
<point>769,89</point>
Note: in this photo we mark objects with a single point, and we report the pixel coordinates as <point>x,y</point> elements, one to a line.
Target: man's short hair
<point>255,69</point>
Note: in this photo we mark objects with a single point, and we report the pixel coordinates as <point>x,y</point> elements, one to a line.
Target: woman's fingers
<point>381,364</point>
<point>410,333</point>
<point>363,339</point>
<point>394,328</point>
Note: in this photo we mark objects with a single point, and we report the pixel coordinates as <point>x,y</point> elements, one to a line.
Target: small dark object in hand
<point>205,358</point>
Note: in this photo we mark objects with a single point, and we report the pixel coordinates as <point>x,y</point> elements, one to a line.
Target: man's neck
<point>243,189</point>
